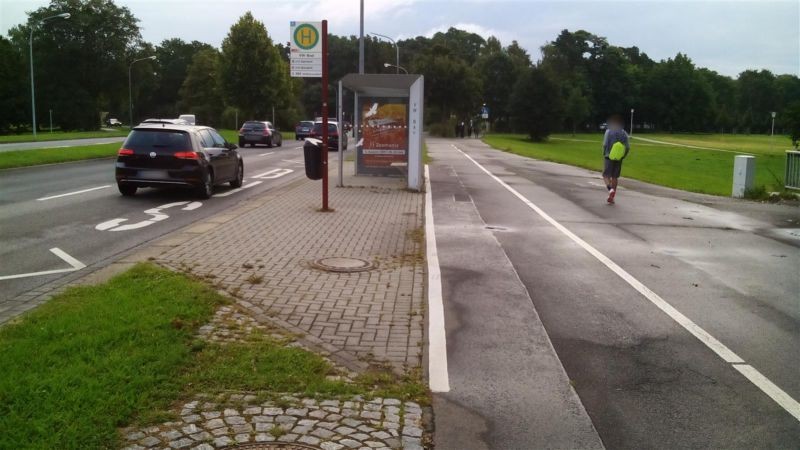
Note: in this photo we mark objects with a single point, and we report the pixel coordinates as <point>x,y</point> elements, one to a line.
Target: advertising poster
<point>385,136</point>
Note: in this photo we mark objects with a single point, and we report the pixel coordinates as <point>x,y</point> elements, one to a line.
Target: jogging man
<point>612,167</point>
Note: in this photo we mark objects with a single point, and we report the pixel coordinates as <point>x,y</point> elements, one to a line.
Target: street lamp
<point>130,88</point>
<point>772,134</point>
<point>631,121</point>
<point>396,50</point>
<point>399,68</point>
<point>30,57</point>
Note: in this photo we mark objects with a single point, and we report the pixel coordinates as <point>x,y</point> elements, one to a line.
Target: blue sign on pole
<point>485,112</point>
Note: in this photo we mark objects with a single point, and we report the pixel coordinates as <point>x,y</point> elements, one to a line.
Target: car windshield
<point>162,139</point>
<point>332,128</point>
<point>255,126</point>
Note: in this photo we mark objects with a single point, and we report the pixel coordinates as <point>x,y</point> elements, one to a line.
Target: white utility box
<point>744,174</point>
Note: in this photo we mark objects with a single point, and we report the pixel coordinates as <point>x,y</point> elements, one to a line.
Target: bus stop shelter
<point>387,124</point>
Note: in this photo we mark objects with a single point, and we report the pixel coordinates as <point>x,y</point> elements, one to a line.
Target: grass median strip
<point>62,136</point>
<point>704,171</point>
<point>98,358</point>
<point>35,157</point>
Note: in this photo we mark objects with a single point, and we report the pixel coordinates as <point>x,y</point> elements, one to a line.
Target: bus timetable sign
<point>306,49</point>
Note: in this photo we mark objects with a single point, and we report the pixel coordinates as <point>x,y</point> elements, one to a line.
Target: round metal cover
<point>269,446</point>
<point>342,264</point>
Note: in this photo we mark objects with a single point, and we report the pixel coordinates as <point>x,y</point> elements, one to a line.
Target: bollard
<point>744,173</point>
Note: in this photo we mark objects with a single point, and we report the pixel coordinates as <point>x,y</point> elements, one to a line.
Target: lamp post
<point>631,121</point>
<point>772,134</point>
<point>399,68</point>
<point>396,50</point>
<point>30,57</point>
<point>130,88</point>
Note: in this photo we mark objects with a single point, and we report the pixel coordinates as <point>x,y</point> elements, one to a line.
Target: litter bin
<point>312,150</point>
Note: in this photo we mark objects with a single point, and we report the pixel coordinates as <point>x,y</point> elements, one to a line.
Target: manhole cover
<point>342,264</point>
<point>269,446</point>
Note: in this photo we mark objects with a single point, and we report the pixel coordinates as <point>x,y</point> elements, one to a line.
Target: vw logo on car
<point>152,154</point>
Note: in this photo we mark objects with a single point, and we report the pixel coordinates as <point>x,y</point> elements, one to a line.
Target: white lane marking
<point>437,339</point>
<point>710,341</point>
<point>192,206</point>
<point>156,213</point>
<point>265,154</point>
<point>74,265</point>
<point>73,193</point>
<point>777,394</point>
<point>294,161</point>
<point>233,191</point>
<point>720,349</point>
<point>272,174</point>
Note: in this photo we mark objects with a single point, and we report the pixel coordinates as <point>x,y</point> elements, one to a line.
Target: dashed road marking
<point>233,191</point>
<point>73,193</point>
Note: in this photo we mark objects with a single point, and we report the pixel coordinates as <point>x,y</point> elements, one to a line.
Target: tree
<point>253,75</point>
<point>95,44</point>
<point>536,104</point>
<point>757,99</point>
<point>498,75</point>
<point>173,58</point>
<point>678,97</point>
<point>12,87</point>
<point>451,85</point>
<point>200,90</point>
<point>791,121</point>
<point>577,108</point>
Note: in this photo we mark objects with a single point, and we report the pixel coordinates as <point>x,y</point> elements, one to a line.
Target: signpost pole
<point>342,134</point>
<point>325,115</point>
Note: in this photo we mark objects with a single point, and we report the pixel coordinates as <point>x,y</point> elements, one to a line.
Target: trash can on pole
<point>312,151</point>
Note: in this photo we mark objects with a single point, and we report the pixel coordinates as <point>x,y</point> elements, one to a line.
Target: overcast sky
<point>726,36</point>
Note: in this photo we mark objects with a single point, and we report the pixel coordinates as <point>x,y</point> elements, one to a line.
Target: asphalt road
<point>58,144</point>
<point>60,206</point>
<point>727,268</point>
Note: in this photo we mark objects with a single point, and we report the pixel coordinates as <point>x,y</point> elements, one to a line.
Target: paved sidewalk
<point>263,258</point>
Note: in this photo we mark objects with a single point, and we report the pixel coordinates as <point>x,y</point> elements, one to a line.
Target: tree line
<point>82,64</point>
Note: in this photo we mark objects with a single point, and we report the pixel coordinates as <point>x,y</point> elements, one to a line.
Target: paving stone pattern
<point>263,259</point>
<point>231,419</point>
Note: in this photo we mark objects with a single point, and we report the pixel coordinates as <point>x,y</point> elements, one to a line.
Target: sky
<point>726,36</point>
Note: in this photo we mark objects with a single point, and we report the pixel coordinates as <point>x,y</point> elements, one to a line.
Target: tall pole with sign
<point>309,59</point>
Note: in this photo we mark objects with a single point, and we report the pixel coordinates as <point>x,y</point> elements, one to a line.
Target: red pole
<point>324,115</point>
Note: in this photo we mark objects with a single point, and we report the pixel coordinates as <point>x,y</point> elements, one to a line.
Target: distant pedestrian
<point>469,129</point>
<point>615,149</point>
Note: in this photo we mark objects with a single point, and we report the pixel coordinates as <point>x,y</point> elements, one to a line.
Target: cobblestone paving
<point>210,423</point>
<point>262,258</point>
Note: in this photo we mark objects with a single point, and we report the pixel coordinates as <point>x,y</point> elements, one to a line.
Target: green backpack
<point>617,152</point>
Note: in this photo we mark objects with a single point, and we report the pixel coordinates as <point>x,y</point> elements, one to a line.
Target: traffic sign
<point>305,49</point>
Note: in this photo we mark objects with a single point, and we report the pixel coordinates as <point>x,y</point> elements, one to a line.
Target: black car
<point>333,135</point>
<point>165,155</point>
<point>257,132</point>
<point>303,129</point>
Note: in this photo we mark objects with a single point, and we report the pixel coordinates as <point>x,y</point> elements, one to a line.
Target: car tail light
<point>266,132</point>
<point>125,152</point>
<point>187,155</point>
<point>241,131</point>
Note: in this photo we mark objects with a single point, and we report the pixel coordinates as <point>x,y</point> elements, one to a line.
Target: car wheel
<point>237,182</point>
<point>280,142</point>
<point>269,143</point>
<point>206,190</point>
<point>242,143</point>
<point>128,190</point>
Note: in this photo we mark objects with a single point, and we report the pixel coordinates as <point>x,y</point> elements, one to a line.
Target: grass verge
<point>62,136</point>
<point>704,171</point>
<point>98,358</point>
<point>25,158</point>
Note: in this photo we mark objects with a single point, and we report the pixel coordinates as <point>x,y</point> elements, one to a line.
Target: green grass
<point>94,358</point>
<point>24,158</point>
<point>704,171</point>
<point>756,144</point>
<point>97,358</point>
<point>44,136</point>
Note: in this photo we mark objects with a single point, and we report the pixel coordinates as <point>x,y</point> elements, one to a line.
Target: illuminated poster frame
<point>384,136</point>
